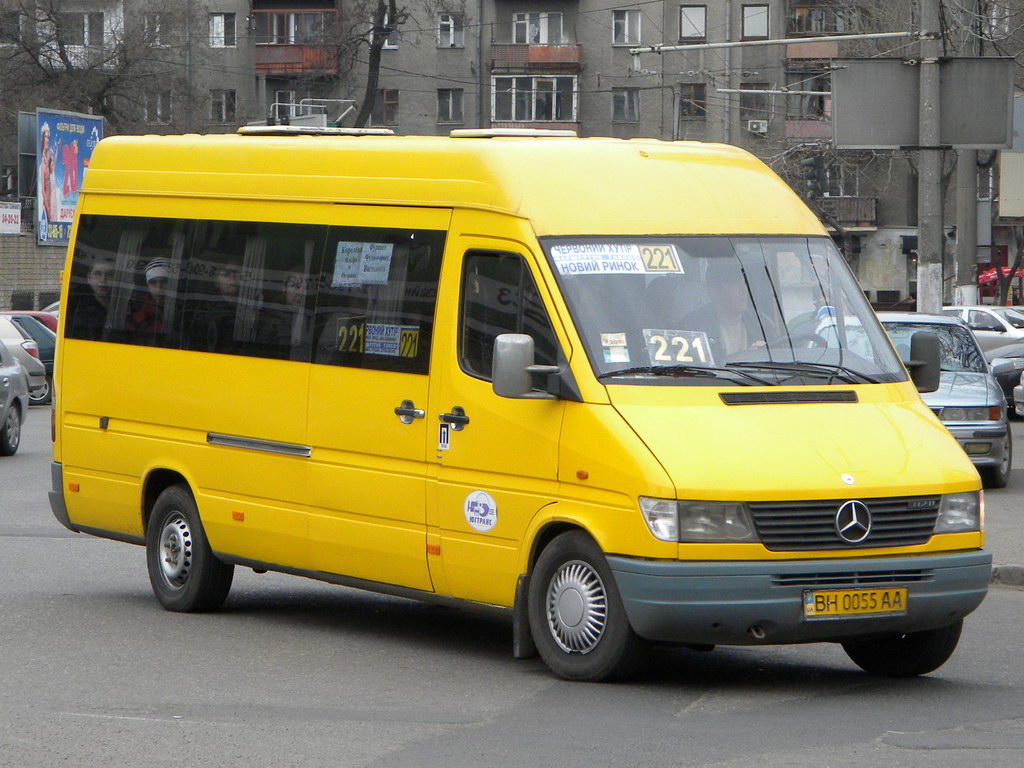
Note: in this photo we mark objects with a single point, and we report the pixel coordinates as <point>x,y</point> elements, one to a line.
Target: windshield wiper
<point>688,370</point>
<point>841,372</point>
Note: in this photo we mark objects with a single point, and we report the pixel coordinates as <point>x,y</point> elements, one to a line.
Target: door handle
<point>408,411</point>
<point>457,418</point>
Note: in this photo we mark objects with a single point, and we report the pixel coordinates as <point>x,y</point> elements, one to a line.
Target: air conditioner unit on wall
<point>757,126</point>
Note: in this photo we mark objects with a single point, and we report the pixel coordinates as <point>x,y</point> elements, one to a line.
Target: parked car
<point>13,401</point>
<point>46,341</point>
<point>1007,362</point>
<point>1018,397</point>
<point>25,351</point>
<point>969,401</point>
<point>49,319</point>
<point>53,309</point>
<point>992,325</point>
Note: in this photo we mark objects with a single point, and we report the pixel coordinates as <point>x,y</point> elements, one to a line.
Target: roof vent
<point>310,130</point>
<point>493,133</point>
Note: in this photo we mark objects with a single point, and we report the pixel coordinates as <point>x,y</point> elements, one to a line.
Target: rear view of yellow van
<point>624,391</point>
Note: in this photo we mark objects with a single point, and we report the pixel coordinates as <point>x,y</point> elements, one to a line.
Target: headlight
<point>974,413</point>
<point>698,521</point>
<point>961,512</point>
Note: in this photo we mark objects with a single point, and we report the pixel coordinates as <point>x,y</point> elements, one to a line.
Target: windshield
<point>720,311</point>
<point>958,348</point>
<point>1012,316</point>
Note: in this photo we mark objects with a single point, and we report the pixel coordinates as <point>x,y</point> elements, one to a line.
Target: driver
<point>728,319</point>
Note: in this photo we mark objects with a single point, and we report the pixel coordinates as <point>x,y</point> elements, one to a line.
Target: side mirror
<point>512,368</point>
<point>925,364</point>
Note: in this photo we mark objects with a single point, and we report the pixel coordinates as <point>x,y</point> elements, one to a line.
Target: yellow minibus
<point>624,391</point>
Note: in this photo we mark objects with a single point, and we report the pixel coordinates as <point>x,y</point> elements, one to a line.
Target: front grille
<point>789,526</point>
<point>852,578</point>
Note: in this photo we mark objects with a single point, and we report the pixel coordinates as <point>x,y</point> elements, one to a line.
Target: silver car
<point>969,401</point>
<point>992,325</point>
<point>13,401</point>
<point>26,352</point>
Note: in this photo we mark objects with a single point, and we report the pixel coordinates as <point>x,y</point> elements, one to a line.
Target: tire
<point>576,615</point>
<point>44,395</point>
<point>10,432</point>
<point>185,574</point>
<point>907,655</point>
<point>998,476</point>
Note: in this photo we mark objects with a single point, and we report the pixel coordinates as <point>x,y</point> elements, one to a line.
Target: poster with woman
<point>64,144</point>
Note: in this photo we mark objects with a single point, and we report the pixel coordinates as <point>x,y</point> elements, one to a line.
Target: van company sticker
<point>392,340</point>
<point>615,259</point>
<point>616,355</point>
<point>481,511</point>
<point>613,339</point>
<point>361,264</point>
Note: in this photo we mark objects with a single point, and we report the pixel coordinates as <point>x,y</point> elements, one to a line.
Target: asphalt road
<point>297,673</point>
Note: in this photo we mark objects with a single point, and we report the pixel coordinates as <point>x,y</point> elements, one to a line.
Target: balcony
<point>536,58</point>
<point>809,129</point>
<point>812,50</point>
<point>295,60</point>
<point>851,211</point>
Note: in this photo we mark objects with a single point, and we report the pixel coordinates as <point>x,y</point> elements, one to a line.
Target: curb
<point>1010,575</point>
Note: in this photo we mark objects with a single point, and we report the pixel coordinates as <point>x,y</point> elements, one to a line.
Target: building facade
<point>449,64</point>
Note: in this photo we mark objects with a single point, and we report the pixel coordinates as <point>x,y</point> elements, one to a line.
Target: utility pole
<point>929,165</point>
<point>967,200</point>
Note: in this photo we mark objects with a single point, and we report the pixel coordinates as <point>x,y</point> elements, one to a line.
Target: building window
<point>754,106</point>
<point>222,106</point>
<point>289,28</point>
<point>153,28</point>
<point>755,22</point>
<point>625,27</point>
<point>823,19</point>
<point>81,29</point>
<point>394,36</point>
<point>449,105</point>
<point>625,105</point>
<point>450,31</point>
<point>537,29</point>
<point>158,107</point>
<point>534,99</point>
<point>841,181</point>
<point>693,22</point>
<point>222,30</point>
<point>693,101</point>
<point>385,107</point>
<point>816,105</point>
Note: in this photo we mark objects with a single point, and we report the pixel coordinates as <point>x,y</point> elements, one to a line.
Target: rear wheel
<point>576,615</point>
<point>10,433</point>
<point>906,655</point>
<point>42,395</point>
<point>185,574</point>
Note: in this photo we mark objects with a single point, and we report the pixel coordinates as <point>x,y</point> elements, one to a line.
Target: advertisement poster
<point>64,144</point>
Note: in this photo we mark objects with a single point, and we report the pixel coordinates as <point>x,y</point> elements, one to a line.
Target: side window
<point>124,279</point>
<point>376,298</point>
<point>248,290</point>
<point>499,295</point>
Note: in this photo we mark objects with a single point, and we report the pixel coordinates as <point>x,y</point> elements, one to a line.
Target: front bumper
<point>984,444</point>
<point>752,603</point>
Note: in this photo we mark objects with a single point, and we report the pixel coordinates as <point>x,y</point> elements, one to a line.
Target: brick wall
<point>29,273</point>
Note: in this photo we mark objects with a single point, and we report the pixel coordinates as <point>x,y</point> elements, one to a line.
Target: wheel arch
<point>156,482</point>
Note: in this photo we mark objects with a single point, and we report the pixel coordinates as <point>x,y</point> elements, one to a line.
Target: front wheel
<point>576,615</point>
<point>906,655</point>
<point>185,574</point>
<point>44,394</point>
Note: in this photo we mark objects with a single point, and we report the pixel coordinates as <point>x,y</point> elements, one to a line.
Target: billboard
<point>876,103</point>
<point>64,144</point>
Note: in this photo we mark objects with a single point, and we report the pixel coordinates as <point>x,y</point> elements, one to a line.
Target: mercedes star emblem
<point>853,522</point>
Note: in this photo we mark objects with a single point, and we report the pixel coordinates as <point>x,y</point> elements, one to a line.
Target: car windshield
<point>720,311</point>
<point>959,350</point>
<point>1013,317</point>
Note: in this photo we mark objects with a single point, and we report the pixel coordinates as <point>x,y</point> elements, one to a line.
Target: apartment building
<point>211,65</point>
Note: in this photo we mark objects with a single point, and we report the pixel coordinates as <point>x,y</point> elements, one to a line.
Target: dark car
<point>46,340</point>
<point>46,318</point>
<point>1007,363</point>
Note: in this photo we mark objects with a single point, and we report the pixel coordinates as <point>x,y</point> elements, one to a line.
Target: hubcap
<point>175,551</point>
<point>12,428</point>
<point>577,607</point>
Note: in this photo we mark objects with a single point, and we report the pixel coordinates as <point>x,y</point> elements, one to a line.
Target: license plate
<point>830,603</point>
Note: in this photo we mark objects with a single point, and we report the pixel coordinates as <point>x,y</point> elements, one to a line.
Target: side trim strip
<point>252,444</point>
